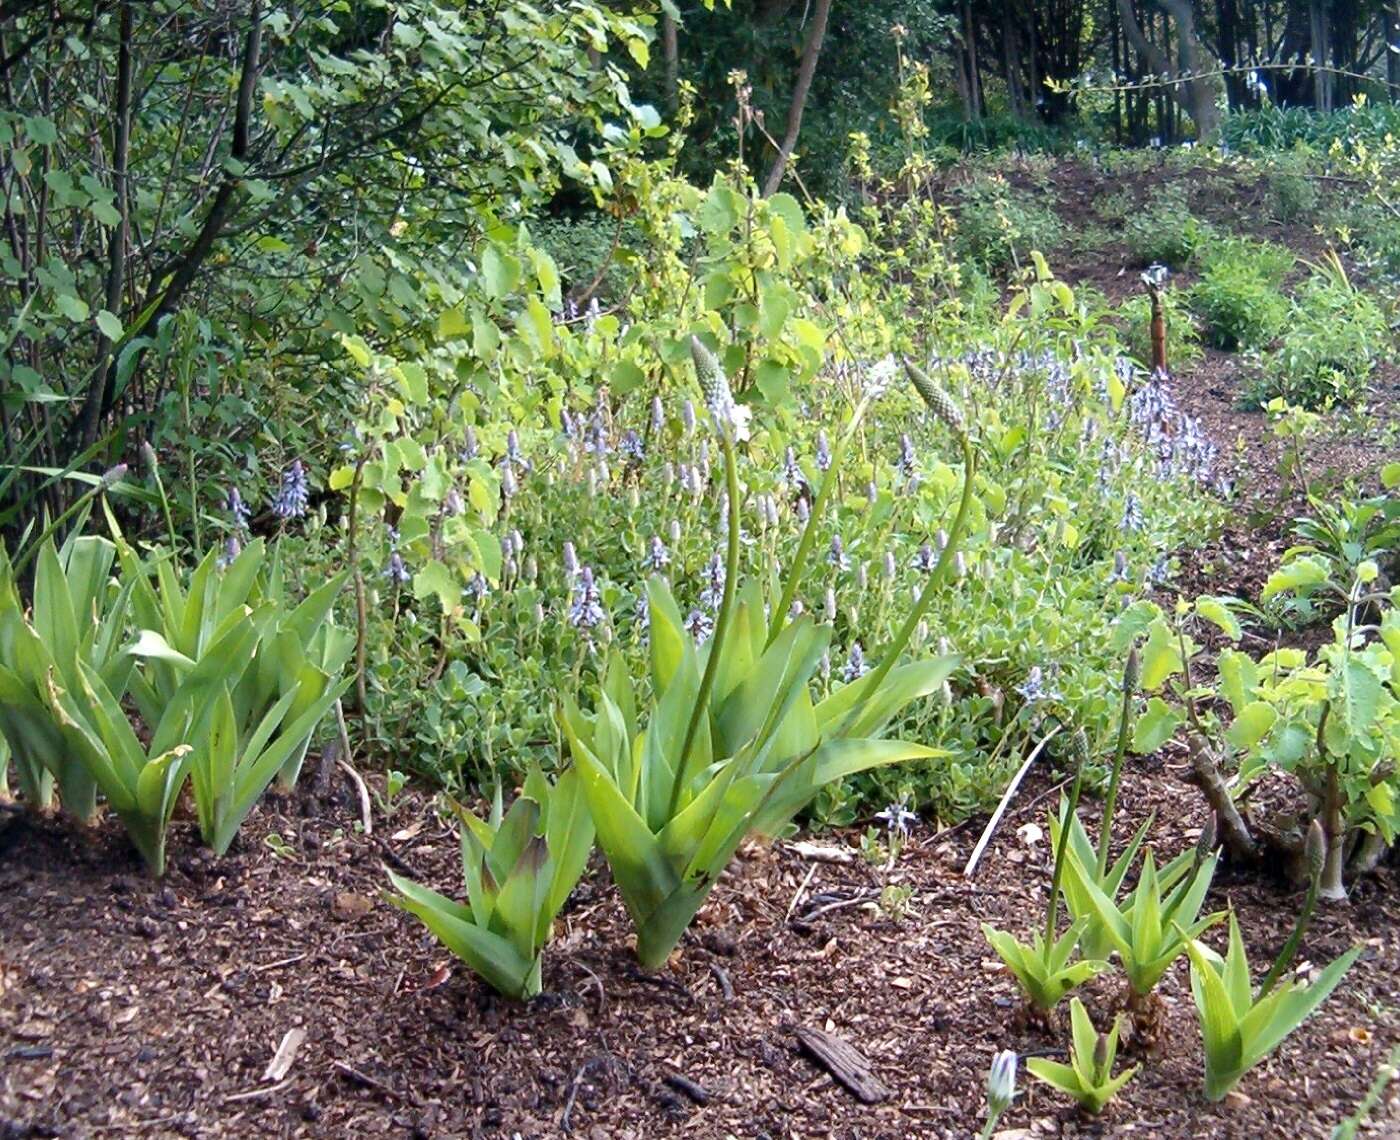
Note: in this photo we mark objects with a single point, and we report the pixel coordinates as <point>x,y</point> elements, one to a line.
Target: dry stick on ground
<point>592,1062</point>
<point>977,852</point>
<point>842,1061</point>
<point>355,1077</point>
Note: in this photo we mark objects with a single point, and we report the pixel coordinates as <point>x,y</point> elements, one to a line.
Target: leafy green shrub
<point>1165,231</point>
<point>1239,307</point>
<point>1267,260</point>
<point>998,226</point>
<point>466,653</point>
<point>582,248</point>
<point>1373,236</point>
<point>1274,128</point>
<point>1293,196</point>
<point>1334,336</point>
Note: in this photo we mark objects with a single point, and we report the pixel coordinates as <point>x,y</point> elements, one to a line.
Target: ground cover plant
<point>742,568</point>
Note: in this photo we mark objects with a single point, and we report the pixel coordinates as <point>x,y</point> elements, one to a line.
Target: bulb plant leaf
<point>1044,970</point>
<point>519,867</point>
<point>1153,927</point>
<point>1240,1027</point>
<point>1088,1078</point>
<point>667,829</point>
<point>77,616</point>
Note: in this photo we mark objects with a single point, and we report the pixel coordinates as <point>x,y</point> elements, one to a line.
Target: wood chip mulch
<point>274,993</point>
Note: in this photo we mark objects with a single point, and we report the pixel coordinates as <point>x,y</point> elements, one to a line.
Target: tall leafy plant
<point>732,743</point>
<point>77,619</point>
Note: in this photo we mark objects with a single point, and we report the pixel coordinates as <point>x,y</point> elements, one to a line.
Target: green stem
<point>809,532</point>
<point>1110,800</point>
<point>73,508</point>
<point>165,506</point>
<point>731,575</point>
<point>916,615</point>
<point>1052,912</point>
<point>1290,948</point>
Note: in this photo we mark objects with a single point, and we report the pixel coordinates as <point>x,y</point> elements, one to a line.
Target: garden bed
<point>133,1007</point>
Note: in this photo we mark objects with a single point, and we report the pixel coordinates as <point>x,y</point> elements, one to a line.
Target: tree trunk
<point>806,70</point>
<point>1392,56</point>
<point>974,83</point>
<point>1011,65</point>
<point>95,402</point>
<point>671,53</point>
<point>1189,88</point>
<point>1321,55</point>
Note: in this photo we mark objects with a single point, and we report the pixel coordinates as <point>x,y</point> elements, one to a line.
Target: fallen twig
<point>802,890</point>
<point>277,965</point>
<point>990,829</point>
<point>565,1124</point>
<point>257,1094</point>
<point>364,1080</point>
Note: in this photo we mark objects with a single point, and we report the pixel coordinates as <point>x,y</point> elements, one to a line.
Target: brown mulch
<point>130,1007</point>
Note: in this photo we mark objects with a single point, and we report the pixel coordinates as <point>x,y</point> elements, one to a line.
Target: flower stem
<point>1110,800</point>
<point>731,575</point>
<point>1052,911</point>
<point>809,532</point>
<point>916,615</point>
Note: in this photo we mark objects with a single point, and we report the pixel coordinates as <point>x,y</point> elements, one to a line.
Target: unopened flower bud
<point>1132,671</point>
<point>1079,747</point>
<point>148,455</point>
<point>1001,1082</point>
<point>1101,1055</point>
<point>113,475</point>
<point>939,402</point>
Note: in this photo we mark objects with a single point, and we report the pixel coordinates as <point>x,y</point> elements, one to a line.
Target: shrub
<point>1335,334</point>
<point>582,248</point>
<point>1239,306</point>
<point>1293,196</point>
<point>1165,231</point>
<point>1267,260</point>
<point>998,227</point>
